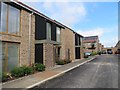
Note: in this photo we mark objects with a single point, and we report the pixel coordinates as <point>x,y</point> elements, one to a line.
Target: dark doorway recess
<point>39,53</point>
<point>77,53</point>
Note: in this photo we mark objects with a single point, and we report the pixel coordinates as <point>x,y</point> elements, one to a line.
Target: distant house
<point>100,47</point>
<point>91,44</point>
<point>117,48</point>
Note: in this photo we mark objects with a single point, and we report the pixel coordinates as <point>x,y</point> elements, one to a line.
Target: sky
<point>86,18</point>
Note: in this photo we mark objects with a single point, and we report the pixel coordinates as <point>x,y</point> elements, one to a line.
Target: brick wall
<point>27,45</point>
<point>67,42</point>
<point>48,59</point>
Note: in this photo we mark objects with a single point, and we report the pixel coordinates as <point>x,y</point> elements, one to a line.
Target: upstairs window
<point>48,28</point>
<point>78,40</point>
<point>58,34</point>
<point>3,17</point>
<point>10,17</point>
<point>13,20</point>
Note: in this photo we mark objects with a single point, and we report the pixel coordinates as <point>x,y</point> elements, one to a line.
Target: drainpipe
<point>29,46</point>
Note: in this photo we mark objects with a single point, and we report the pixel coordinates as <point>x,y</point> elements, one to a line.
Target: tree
<point>92,46</point>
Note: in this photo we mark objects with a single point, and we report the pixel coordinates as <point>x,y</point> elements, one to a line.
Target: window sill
<point>10,34</point>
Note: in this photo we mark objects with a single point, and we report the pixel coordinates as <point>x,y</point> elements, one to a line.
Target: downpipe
<point>29,46</point>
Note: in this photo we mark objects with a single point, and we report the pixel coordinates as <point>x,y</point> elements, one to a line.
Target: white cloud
<point>92,32</point>
<point>66,12</point>
<point>107,41</point>
<point>110,43</point>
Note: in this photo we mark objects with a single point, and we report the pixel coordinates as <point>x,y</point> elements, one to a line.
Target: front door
<point>57,53</point>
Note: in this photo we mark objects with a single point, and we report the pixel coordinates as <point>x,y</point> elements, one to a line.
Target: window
<point>13,20</point>
<point>89,44</point>
<point>48,31</point>
<point>12,56</point>
<point>58,34</point>
<point>9,56</point>
<point>3,17</point>
<point>78,40</point>
<point>10,19</point>
<point>1,55</point>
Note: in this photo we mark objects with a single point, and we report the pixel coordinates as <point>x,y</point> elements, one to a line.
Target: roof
<point>118,44</point>
<point>67,27</point>
<point>42,15</point>
<point>90,39</point>
<point>33,11</point>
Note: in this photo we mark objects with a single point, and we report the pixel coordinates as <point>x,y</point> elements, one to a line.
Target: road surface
<point>99,73</point>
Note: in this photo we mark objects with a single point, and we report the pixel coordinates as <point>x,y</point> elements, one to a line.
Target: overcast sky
<point>86,18</point>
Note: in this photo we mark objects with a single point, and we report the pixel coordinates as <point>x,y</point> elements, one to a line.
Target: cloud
<point>107,36</point>
<point>110,43</point>
<point>66,12</point>
<point>92,32</point>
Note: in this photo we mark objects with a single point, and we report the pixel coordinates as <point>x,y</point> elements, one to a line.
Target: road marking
<point>36,84</point>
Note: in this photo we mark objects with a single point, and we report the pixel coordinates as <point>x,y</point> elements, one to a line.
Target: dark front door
<point>77,52</point>
<point>57,53</point>
<point>39,53</point>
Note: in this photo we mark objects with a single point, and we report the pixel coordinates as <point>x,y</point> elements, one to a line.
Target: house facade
<point>28,37</point>
<point>16,36</point>
<point>78,46</point>
<point>71,44</point>
<point>47,41</point>
<point>100,47</point>
<point>117,47</point>
<point>91,44</point>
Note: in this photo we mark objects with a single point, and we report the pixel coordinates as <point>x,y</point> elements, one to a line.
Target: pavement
<point>41,77</point>
<point>102,72</point>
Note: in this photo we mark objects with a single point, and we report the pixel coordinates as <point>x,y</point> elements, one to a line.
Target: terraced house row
<point>27,37</point>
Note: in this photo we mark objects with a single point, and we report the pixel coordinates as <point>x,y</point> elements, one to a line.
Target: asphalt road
<point>99,73</point>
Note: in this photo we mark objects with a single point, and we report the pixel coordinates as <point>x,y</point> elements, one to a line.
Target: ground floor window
<point>9,55</point>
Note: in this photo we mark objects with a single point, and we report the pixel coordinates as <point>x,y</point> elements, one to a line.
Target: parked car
<point>117,52</point>
<point>104,52</point>
<point>109,52</point>
<point>88,53</point>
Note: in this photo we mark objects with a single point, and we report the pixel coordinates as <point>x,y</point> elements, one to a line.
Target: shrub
<point>5,77</point>
<point>67,61</point>
<point>60,62</point>
<point>93,53</point>
<point>21,71</point>
<point>39,67</point>
<point>0,76</point>
<point>27,70</point>
<point>99,53</point>
<point>17,72</point>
